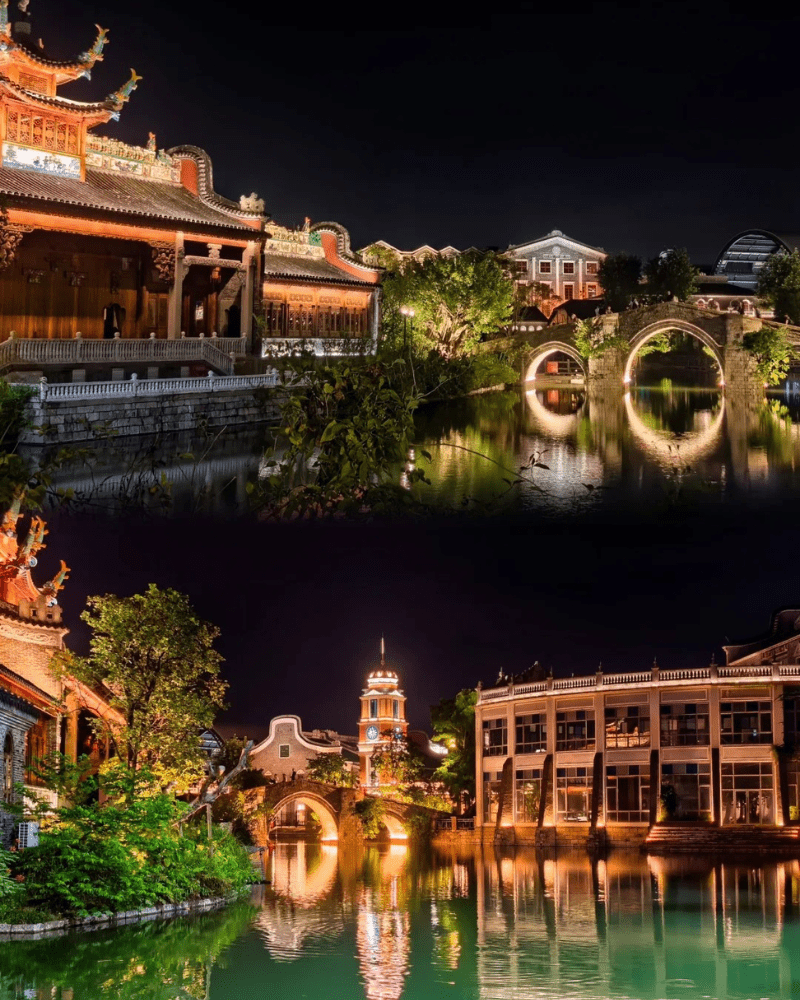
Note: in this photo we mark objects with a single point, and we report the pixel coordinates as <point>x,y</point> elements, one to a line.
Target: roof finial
<point>383,652</point>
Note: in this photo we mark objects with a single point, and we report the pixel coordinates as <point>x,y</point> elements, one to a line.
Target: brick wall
<point>15,720</point>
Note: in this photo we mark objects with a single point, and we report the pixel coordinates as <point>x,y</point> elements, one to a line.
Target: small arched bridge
<point>334,807</point>
<point>721,333</point>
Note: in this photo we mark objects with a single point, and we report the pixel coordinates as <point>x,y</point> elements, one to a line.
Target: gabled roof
<point>278,265</point>
<point>531,314</point>
<point>556,234</point>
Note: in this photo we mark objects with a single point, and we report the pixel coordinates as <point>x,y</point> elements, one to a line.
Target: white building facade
<point>565,267</point>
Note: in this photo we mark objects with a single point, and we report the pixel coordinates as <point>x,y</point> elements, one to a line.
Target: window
<point>395,709</point>
<point>791,715</point>
<point>628,793</point>
<point>528,792</point>
<point>35,750</point>
<point>591,267</point>
<point>531,734</point>
<point>373,708</point>
<point>569,292</point>
<point>491,795</point>
<point>8,769</point>
<point>591,291</point>
<point>573,794</point>
<point>691,785</point>
<point>745,722</point>
<point>544,267</point>
<point>628,726</point>
<point>521,268</point>
<point>747,793</point>
<point>283,750</point>
<point>569,267</point>
<point>684,725</point>
<point>575,730</point>
<point>495,738</point>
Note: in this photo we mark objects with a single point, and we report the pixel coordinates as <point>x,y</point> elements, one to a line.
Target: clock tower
<point>383,715</point>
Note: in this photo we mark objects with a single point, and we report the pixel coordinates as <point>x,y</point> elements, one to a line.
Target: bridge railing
<point>67,392</point>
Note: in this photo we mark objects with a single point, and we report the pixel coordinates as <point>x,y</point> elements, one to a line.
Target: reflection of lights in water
<point>383,942</point>
<point>663,444</point>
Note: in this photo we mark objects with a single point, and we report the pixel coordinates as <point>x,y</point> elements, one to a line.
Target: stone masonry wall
<point>90,419</point>
<point>15,721</point>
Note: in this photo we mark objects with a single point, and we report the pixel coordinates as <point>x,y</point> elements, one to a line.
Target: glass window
<point>283,750</point>
<point>745,722</point>
<point>495,737</point>
<point>544,267</point>
<point>573,794</point>
<point>531,734</point>
<point>747,793</point>
<point>627,726</point>
<point>373,708</point>
<point>591,267</point>
<point>575,730</point>
<point>791,715</point>
<point>528,791</point>
<point>396,709</point>
<point>491,795</point>
<point>591,291</point>
<point>569,267</point>
<point>686,791</point>
<point>628,793</point>
<point>684,725</point>
<point>569,291</point>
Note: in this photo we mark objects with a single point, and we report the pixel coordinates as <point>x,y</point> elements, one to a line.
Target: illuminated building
<point>383,717</point>
<point>626,751</point>
<point>557,268</point>
<point>39,712</point>
<point>743,258</point>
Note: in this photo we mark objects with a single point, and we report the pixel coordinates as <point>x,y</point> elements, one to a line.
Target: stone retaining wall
<point>92,419</point>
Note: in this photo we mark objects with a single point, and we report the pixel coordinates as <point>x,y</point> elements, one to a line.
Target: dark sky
<point>302,607</point>
<point>630,126</point>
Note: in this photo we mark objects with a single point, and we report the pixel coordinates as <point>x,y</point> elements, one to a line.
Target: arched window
<point>8,768</point>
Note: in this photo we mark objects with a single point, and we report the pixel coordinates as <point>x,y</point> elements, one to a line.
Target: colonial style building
<point>560,759</point>
<point>383,717</point>
<point>288,749</point>
<point>380,251</point>
<point>556,268</point>
<point>40,712</point>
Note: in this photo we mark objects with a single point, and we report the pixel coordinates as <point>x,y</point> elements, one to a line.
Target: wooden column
<point>250,258</point>
<point>175,301</point>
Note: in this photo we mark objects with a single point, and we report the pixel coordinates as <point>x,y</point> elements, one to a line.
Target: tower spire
<point>383,652</point>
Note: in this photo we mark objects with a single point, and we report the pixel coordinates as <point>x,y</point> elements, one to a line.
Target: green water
<point>386,923</point>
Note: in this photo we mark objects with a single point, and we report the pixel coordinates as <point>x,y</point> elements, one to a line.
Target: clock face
<point>372,732</point>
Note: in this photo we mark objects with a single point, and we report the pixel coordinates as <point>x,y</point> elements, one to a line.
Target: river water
<point>651,448</point>
<point>386,923</point>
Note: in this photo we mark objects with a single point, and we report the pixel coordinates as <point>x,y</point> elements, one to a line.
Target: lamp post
<point>407,312</point>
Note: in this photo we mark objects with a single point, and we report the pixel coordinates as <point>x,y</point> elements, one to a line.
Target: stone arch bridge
<point>335,808</point>
<point>721,333</point>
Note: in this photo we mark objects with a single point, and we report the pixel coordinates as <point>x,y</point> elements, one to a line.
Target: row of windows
<point>748,793</point>
<point>42,133</point>
<point>681,724</point>
<point>567,267</point>
<point>373,709</point>
<point>568,290</point>
<point>313,321</point>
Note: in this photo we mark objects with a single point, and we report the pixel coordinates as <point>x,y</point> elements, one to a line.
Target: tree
<point>671,274</point>
<point>770,349</point>
<point>156,660</point>
<point>453,721</point>
<point>619,275</point>
<point>456,300</point>
<point>395,763</point>
<point>779,284</point>
<point>331,769</point>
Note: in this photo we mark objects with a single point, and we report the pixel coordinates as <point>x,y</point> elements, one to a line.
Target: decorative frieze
<point>298,242</point>
<point>118,157</point>
<point>10,239</point>
<point>164,260</point>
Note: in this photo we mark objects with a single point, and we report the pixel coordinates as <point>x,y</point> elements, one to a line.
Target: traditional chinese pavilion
<point>101,237</point>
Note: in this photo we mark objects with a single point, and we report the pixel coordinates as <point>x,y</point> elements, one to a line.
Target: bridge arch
<point>394,824</point>
<point>665,326</point>
<point>319,806</point>
<point>545,350</point>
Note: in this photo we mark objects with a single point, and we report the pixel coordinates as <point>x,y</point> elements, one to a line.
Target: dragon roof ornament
<point>95,53</point>
<point>17,588</point>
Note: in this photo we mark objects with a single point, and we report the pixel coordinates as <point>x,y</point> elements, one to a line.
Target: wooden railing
<point>215,351</point>
<point>71,391</point>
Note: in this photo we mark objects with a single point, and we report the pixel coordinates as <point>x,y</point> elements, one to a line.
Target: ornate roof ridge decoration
<point>64,103</point>
<point>123,95</point>
<point>80,67</point>
<point>342,243</point>
<point>17,589</point>
<point>205,183</point>
<point>95,53</point>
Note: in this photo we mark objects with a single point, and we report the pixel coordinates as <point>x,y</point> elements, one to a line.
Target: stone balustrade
<point>71,391</point>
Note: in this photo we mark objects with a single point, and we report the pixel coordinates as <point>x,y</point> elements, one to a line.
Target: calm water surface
<point>385,923</point>
<point>652,448</point>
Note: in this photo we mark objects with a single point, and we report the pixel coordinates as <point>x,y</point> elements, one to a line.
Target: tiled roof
<point>63,103</point>
<point>312,268</point>
<point>118,194</point>
<point>21,683</point>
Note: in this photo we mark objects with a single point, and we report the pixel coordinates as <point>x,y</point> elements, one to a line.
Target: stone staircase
<point>704,838</point>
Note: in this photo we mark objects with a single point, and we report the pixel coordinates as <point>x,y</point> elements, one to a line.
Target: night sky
<point>631,127</point>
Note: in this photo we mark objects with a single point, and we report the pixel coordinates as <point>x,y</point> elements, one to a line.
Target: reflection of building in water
<point>383,928</point>
<point>633,926</point>
<point>627,751</point>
